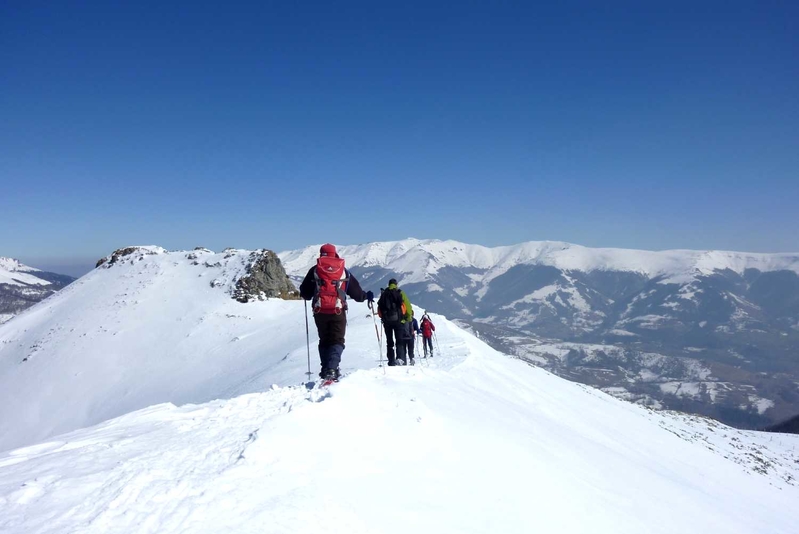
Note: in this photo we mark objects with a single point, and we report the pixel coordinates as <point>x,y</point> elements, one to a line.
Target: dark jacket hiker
<point>327,285</point>
<point>409,337</point>
<point>395,310</point>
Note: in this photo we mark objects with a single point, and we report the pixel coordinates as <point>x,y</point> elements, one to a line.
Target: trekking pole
<point>377,334</point>
<point>308,340</point>
<point>435,337</point>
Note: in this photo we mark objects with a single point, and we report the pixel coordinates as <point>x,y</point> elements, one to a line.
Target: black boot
<point>332,374</point>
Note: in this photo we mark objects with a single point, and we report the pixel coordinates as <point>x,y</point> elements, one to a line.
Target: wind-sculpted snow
<point>470,441</point>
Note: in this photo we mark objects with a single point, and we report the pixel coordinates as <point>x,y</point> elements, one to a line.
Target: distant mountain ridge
<point>408,255</point>
<point>617,291</point>
<point>791,426</point>
<point>734,313</point>
<point>22,286</point>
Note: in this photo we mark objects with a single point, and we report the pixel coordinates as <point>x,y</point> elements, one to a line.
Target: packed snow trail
<point>473,442</point>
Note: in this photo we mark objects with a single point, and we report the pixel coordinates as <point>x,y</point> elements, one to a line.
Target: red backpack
<point>331,285</point>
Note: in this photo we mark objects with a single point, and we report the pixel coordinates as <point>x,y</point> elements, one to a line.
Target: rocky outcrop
<point>265,278</point>
<point>134,252</point>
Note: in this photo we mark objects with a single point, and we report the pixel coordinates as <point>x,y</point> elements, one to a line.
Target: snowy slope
<point>471,441</point>
<point>155,327</point>
<point>421,258</point>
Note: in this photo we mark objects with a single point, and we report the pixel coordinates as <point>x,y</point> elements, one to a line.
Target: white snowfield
<point>469,441</point>
<point>421,258</point>
<point>154,328</point>
<point>14,273</point>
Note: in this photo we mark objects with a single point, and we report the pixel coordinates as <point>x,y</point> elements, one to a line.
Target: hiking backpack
<point>331,285</point>
<point>391,306</point>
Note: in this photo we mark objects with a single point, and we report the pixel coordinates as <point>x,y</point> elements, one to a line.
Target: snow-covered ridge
<point>470,441</point>
<point>146,326</point>
<point>423,257</point>
<point>15,273</point>
<point>14,265</point>
<point>227,266</point>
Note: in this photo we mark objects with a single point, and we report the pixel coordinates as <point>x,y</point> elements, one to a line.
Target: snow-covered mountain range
<point>734,314</point>
<point>470,441</point>
<point>22,286</point>
<point>420,260</point>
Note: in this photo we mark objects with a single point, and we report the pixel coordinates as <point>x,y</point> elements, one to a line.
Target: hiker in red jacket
<point>329,284</point>
<point>427,327</point>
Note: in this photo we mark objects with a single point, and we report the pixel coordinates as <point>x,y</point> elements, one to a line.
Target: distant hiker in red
<point>395,310</point>
<point>327,285</point>
<point>427,328</point>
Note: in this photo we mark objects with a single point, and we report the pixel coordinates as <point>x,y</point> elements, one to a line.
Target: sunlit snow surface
<point>470,441</point>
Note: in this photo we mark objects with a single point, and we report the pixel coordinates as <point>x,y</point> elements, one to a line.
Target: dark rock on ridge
<point>265,278</point>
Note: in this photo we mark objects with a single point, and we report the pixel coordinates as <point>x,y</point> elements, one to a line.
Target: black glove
<point>370,296</point>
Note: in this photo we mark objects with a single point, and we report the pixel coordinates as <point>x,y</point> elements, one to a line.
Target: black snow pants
<point>332,328</point>
<point>394,331</point>
<point>408,339</point>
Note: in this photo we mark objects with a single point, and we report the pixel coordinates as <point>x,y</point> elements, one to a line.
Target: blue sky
<point>618,124</point>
